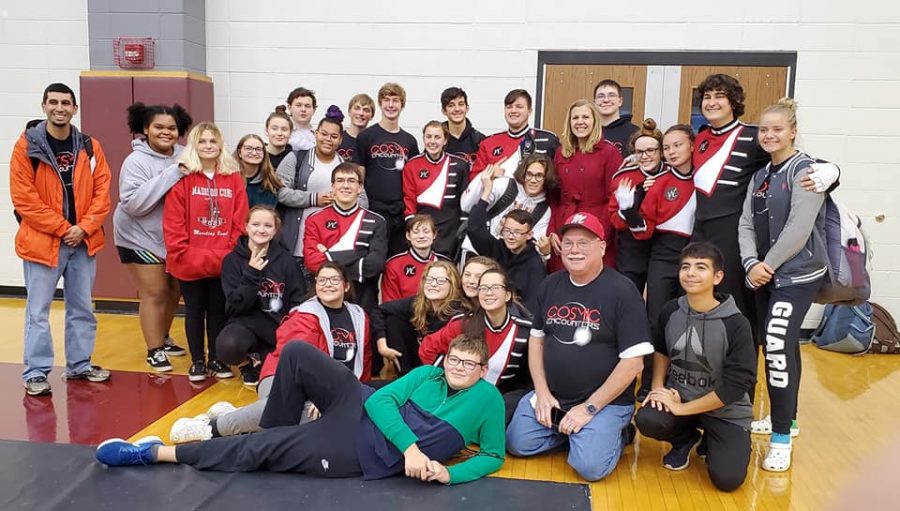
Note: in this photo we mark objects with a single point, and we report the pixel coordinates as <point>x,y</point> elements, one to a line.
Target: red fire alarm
<point>134,52</point>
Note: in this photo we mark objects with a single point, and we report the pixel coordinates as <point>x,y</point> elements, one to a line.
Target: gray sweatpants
<point>246,418</point>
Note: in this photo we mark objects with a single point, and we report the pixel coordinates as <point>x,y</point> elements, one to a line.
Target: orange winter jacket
<point>38,196</point>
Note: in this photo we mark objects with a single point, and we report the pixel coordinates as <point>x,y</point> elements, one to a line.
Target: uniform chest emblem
<point>423,174</point>
<point>671,193</point>
<point>409,270</point>
<point>704,146</point>
<point>497,151</point>
<point>331,225</point>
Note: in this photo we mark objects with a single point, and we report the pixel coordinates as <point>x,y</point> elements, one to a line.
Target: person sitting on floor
<point>703,373</point>
<point>409,426</point>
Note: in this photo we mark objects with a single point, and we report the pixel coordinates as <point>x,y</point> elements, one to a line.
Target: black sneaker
<point>158,361</point>
<point>220,370</point>
<point>702,449</point>
<point>680,456</point>
<point>172,349</point>
<point>198,371</point>
<point>250,375</point>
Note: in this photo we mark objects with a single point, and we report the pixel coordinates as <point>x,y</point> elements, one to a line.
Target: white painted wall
<point>848,73</point>
<point>40,43</point>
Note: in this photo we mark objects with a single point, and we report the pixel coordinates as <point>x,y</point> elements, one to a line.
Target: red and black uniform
<point>433,187</point>
<point>402,274</point>
<point>507,354</point>
<point>384,154</point>
<point>466,146</point>
<point>585,184</point>
<point>725,160</point>
<point>356,239</point>
<point>512,147</point>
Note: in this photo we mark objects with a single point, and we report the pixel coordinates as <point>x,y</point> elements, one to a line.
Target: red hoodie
<point>202,221</point>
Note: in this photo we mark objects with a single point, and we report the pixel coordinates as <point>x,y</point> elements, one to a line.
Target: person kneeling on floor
<point>409,426</point>
<point>704,369</point>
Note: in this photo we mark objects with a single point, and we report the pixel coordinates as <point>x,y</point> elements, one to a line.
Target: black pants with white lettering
<point>785,309</point>
<point>204,309</point>
<point>325,447</point>
<point>727,444</point>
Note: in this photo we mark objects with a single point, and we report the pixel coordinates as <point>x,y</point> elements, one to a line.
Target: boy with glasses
<point>410,426</point>
<point>514,250</point>
<point>587,344</point>
<point>617,128</point>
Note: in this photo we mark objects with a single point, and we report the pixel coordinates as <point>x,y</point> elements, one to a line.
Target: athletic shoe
<point>198,371</point>
<point>250,375</point>
<point>680,456</point>
<point>116,452</point>
<point>37,386</point>
<point>219,409</point>
<point>95,374</point>
<point>190,430</point>
<point>219,369</point>
<point>702,448</point>
<point>158,361</point>
<point>172,349</point>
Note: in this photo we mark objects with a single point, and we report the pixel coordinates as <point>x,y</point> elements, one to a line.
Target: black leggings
<point>324,448</point>
<point>728,445</point>
<point>402,337</point>
<point>204,309</point>
<point>237,340</point>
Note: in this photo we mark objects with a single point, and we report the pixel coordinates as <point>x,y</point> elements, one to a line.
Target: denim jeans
<point>78,271</point>
<point>593,452</point>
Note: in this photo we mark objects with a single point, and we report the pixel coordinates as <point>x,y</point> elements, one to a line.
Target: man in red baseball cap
<point>588,338</point>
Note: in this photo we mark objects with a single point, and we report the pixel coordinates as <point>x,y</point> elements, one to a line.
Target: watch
<point>591,409</point>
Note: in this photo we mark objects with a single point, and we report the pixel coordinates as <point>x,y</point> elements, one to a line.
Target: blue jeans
<point>593,452</point>
<point>78,270</point>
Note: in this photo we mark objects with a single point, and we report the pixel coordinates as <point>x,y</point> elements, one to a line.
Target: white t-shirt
<point>302,139</point>
<point>319,182</point>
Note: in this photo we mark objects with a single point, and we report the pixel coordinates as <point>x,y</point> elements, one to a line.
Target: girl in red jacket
<point>585,165</point>
<point>203,218</point>
<point>328,322</point>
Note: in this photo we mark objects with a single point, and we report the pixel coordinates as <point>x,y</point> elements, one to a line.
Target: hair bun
<point>334,113</point>
<point>649,124</point>
<point>280,109</point>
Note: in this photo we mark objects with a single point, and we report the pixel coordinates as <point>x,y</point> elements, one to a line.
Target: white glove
<point>824,175</point>
<point>625,196</point>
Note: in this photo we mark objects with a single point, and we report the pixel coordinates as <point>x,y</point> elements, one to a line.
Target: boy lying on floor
<point>410,426</point>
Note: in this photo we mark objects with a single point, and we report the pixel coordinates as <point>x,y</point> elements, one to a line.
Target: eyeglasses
<point>611,95</point>
<point>436,280</point>
<point>251,150</point>
<point>495,288</point>
<point>534,176</point>
<point>509,232</point>
<point>334,281</point>
<point>468,365</point>
<point>581,244</point>
<point>648,152</point>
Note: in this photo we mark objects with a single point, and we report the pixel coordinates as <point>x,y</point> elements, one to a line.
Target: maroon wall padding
<point>104,100</point>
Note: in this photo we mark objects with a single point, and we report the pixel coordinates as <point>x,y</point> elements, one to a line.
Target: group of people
<point>517,284</point>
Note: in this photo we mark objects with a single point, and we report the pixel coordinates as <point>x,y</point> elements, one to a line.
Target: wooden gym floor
<point>849,414</point>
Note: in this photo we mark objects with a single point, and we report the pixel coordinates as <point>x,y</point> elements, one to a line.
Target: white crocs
<point>778,459</point>
<point>764,427</point>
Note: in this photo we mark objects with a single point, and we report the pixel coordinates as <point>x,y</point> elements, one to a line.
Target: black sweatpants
<point>633,259</point>
<point>204,309</point>
<point>402,337</point>
<point>728,445</point>
<point>324,448</point>
<point>784,309</point>
<point>239,339</point>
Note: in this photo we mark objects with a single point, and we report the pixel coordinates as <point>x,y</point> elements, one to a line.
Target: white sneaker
<point>219,409</point>
<point>190,430</point>
<point>764,427</point>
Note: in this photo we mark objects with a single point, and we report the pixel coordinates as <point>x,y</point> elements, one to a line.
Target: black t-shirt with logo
<point>384,154</point>
<point>346,347</point>
<point>64,151</point>
<point>585,329</point>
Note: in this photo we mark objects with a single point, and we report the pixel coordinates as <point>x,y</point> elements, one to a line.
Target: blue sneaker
<point>116,452</point>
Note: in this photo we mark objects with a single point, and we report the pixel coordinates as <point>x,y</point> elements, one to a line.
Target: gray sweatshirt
<point>145,179</point>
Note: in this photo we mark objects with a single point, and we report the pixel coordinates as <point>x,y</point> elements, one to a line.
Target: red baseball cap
<point>585,221</point>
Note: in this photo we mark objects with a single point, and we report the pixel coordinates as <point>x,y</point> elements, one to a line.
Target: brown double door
<point>565,83</point>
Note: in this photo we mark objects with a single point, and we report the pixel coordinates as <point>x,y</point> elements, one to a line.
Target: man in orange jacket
<point>59,182</point>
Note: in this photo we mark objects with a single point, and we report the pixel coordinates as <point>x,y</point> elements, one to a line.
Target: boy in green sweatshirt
<point>409,426</point>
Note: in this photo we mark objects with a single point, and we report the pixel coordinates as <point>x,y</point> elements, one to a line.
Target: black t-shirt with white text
<point>346,347</point>
<point>585,329</point>
<point>384,154</point>
<point>64,151</point>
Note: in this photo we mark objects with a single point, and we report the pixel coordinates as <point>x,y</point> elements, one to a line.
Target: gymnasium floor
<point>849,414</point>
